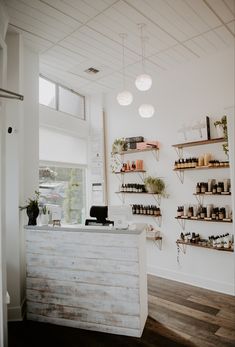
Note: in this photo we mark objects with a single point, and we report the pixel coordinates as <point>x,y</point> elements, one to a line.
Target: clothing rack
<point>10,95</point>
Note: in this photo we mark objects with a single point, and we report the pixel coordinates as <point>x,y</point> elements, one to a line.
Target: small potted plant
<point>155,185</point>
<point>222,131</point>
<point>118,145</point>
<point>44,217</point>
<point>32,209</point>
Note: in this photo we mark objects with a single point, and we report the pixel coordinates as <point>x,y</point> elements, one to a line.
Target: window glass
<point>71,103</point>
<point>47,93</point>
<point>63,187</point>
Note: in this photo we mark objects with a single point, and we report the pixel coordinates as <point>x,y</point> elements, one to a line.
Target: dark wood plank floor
<point>179,315</point>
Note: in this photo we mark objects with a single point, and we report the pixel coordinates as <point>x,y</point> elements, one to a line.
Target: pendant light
<point>146,111</point>
<point>125,97</point>
<point>143,82</point>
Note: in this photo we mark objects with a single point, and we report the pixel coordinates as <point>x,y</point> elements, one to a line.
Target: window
<point>47,93</point>
<point>71,103</point>
<point>63,187</point>
<point>60,98</point>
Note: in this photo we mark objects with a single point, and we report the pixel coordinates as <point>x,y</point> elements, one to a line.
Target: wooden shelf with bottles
<point>129,171</point>
<point>202,168</point>
<point>205,220</point>
<point>213,194</point>
<point>131,151</point>
<point>201,245</point>
<point>199,143</point>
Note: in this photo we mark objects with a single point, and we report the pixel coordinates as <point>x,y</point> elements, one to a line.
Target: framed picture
<point>197,131</point>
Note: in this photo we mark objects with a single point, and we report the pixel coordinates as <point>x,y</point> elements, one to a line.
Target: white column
<point>21,162</point>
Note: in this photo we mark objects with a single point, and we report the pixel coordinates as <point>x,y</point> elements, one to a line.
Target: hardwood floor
<point>179,315</point>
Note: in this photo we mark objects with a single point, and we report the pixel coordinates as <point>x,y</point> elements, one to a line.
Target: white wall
<point>202,87</point>
<point>60,147</point>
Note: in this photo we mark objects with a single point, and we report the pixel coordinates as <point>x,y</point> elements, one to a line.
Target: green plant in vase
<point>222,130</point>
<point>118,145</point>
<point>155,185</point>
<point>32,208</point>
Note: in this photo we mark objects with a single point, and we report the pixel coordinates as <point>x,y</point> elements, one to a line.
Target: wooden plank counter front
<point>89,278</point>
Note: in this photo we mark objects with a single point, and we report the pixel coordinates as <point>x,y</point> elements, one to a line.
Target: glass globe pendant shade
<point>124,98</point>
<point>143,82</point>
<point>146,111</point>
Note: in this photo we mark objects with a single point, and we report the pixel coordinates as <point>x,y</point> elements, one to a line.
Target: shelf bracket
<point>200,199</point>
<point>180,175</point>
<point>157,198</point>
<point>155,154</point>
<point>181,223</point>
<point>158,243</point>
<point>179,151</point>
<point>158,220</point>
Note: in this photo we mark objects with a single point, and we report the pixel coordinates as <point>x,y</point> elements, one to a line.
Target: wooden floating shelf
<point>179,242</point>
<point>199,143</point>
<point>153,237</point>
<point>128,171</point>
<point>205,220</point>
<point>136,193</point>
<point>206,194</point>
<point>202,168</point>
<point>146,215</point>
<point>129,151</point>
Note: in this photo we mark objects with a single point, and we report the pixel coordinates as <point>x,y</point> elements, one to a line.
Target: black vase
<point>32,214</point>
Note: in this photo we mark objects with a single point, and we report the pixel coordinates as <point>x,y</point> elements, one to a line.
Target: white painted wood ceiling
<point>74,35</point>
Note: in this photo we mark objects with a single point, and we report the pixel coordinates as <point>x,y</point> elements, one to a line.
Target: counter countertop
<point>89,229</point>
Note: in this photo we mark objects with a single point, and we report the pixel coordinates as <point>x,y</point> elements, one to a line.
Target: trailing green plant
<point>31,203</point>
<point>155,185</point>
<point>223,123</point>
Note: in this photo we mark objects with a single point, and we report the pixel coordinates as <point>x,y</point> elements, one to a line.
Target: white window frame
<point>56,108</point>
<point>70,165</point>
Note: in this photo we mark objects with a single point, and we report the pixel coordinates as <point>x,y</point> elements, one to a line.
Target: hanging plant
<point>222,130</point>
<point>155,185</point>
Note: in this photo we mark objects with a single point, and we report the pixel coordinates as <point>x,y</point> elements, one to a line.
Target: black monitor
<point>100,213</point>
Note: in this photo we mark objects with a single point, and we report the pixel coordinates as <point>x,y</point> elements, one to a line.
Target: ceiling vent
<point>92,71</point>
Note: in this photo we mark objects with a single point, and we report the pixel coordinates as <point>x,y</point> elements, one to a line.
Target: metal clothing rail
<point>11,95</point>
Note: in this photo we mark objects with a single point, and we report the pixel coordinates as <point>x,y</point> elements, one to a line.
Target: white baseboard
<point>223,287</point>
<point>17,313</point>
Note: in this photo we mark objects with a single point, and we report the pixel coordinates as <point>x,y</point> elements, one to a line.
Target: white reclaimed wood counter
<point>90,278</point>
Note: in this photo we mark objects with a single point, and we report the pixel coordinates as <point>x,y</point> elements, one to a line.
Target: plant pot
<point>44,219</point>
<point>32,214</point>
<point>151,188</point>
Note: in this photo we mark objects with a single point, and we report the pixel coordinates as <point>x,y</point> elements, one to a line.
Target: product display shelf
<point>199,143</point>
<point>156,197</point>
<point>179,150</point>
<point>130,151</point>
<point>201,196</point>
<point>185,244</point>
<point>129,171</point>
<point>158,218</point>
<point>213,194</point>
<point>182,221</point>
<point>202,168</point>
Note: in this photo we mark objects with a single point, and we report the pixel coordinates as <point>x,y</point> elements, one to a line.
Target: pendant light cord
<point>142,46</point>
<point>123,61</point>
